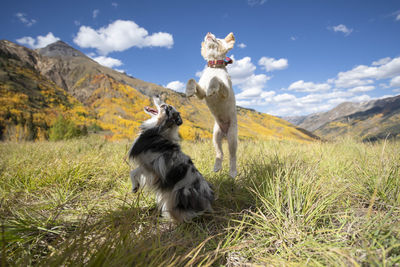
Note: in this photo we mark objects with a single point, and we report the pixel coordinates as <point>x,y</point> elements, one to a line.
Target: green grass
<point>70,203</point>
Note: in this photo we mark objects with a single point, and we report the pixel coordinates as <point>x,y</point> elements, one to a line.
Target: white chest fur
<point>210,73</point>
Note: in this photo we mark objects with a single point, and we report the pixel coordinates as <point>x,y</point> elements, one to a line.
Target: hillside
<point>371,120</point>
<point>380,120</point>
<point>58,79</point>
<point>29,102</point>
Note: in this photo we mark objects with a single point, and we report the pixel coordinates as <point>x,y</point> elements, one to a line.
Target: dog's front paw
<point>135,189</point>
<point>213,87</point>
<point>190,88</point>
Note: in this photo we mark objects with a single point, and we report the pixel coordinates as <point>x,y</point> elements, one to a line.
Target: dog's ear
<point>230,41</point>
<point>158,102</point>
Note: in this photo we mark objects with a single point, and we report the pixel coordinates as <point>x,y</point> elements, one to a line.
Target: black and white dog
<point>182,192</point>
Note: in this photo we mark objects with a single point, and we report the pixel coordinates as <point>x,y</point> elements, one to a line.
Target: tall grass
<point>69,203</point>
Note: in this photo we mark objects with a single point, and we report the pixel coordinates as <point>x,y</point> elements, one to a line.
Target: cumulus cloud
<point>271,64</point>
<point>362,74</point>
<point>176,86</point>
<point>395,81</point>
<point>360,98</point>
<point>38,42</point>
<point>284,98</point>
<point>351,85</point>
<point>241,70</point>
<point>341,28</point>
<point>108,61</point>
<point>251,85</point>
<point>242,45</point>
<point>289,105</point>
<point>120,35</point>
<point>301,86</point>
<point>381,61</point>
<point>22,17</point>
<point>359,89</point>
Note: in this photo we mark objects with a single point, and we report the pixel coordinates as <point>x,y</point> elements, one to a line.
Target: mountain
<point>38,85</point>
<point>370,120</point>
<point>316,120</point>
<point>29,102</point>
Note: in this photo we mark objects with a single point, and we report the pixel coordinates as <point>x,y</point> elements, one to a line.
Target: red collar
<point>219,63</point>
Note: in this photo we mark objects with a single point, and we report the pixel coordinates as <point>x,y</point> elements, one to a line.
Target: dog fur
<point>215,86</point>
<point>182,193</point>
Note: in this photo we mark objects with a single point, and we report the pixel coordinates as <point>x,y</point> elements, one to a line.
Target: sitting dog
<point>216,87</point>
<point>182,192</point>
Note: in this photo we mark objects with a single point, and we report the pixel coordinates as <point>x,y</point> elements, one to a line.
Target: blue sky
<point>290,57</point>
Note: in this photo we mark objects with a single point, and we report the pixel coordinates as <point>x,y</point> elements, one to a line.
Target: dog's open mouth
<point>151,110</point>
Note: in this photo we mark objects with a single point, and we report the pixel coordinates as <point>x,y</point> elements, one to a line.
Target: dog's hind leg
<point>232,144</point>
<point>217,141</point>
<point>192,87</point>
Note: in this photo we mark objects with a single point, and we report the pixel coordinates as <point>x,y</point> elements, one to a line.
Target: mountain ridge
<point>370,120</point>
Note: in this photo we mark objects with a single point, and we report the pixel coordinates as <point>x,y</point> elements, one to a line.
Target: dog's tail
<point>191,202</point>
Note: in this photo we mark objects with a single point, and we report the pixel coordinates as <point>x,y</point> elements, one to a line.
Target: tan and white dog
<point>215,86</point>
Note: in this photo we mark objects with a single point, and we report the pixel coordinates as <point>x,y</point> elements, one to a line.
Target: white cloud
<point>39,42</point>
<point>284,98</point>
<point>301,86</point>
<point>348,86</point>
<point>241,70</point>
<point>341,28</point>
<point>395,81</point>
<point>199,73</point>
<point>95,13</point>
<point>288,104</point>
<point>348,82</point>
<point>381,61</point>
<point>177,86</point>
<point>359,89</point>
<point>256,2</point>
<point>242,45</point>
<point>271,64</point>
<point>23,18</point>
<point>293,38</point>
<point>251,85</point>
<point>108,61</point>
<point>397,14</point>
<point>362,74</point>
<point>361,98</point>
<point>120,35</point>
<point>77,22</point>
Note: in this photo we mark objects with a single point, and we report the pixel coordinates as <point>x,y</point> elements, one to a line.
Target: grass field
<point>70,203</point>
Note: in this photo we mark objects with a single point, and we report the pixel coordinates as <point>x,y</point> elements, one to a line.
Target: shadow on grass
<point>135,235</point>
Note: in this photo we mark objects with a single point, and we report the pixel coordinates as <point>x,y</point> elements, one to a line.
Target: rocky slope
<point>371,120</point>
